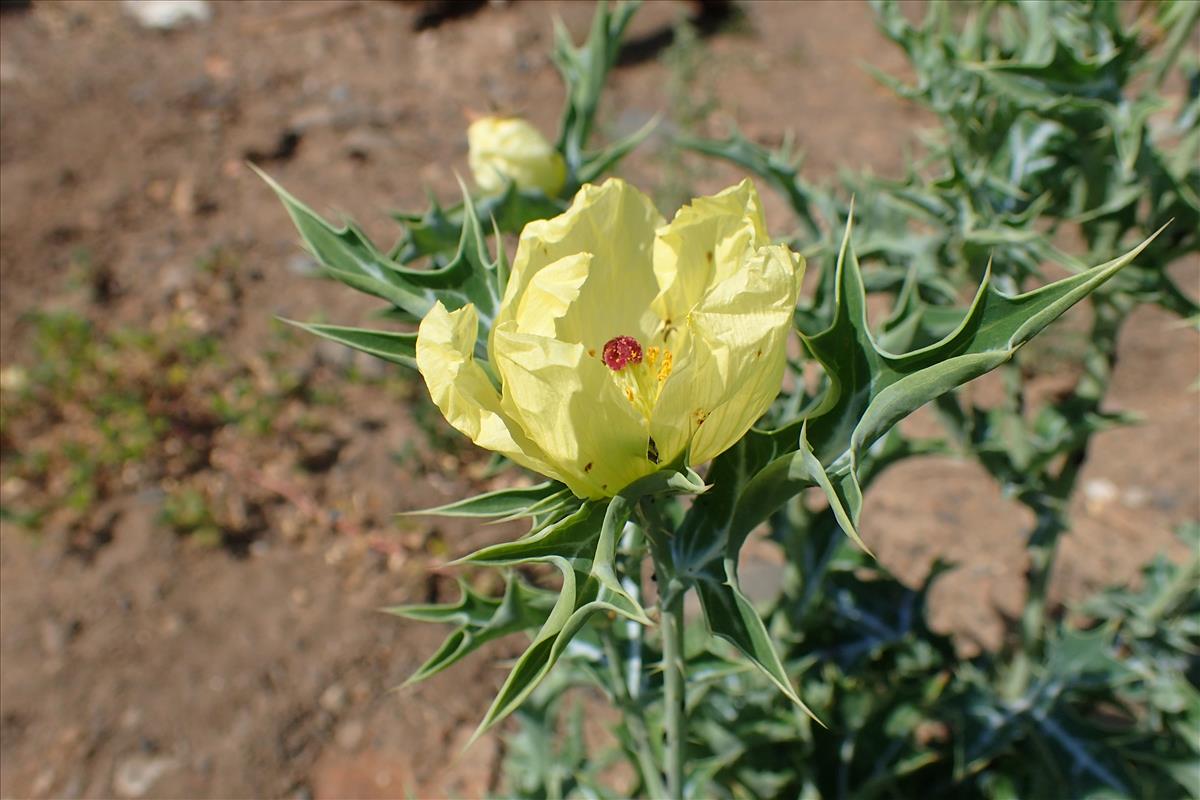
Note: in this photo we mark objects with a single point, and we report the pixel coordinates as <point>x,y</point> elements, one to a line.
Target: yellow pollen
<point>665,370</point>
<point>642,381</point>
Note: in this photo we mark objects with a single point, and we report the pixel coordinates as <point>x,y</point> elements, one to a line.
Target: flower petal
<point>572,410</point>
<point>462,391</point>
<point>735,355</point>
<point>550,294</point>
<point>615,223</point>
<point>703,245</point>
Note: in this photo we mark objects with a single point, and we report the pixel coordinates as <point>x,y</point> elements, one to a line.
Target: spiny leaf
<point>581,596</point>
<point>573,537</point>
<point>479,620</point>
<point>870,390</point>
<point>730,615</point>
<point>507,503</point>
<point>395,346</point>
<point>348,255</point>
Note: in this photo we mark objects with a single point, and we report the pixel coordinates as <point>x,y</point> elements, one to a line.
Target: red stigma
<point>621,350</point>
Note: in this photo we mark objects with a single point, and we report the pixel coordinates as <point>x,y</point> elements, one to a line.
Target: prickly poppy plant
<point>639,366</point>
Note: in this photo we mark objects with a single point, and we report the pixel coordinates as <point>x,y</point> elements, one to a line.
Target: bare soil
<point>137,661</point>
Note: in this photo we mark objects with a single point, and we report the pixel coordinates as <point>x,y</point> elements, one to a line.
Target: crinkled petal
<point>735,355</point>
<point>572,410</point>
<point>703,245</point>
<point>551,294</point>
<point>462,391</point>
<point>613,222</point>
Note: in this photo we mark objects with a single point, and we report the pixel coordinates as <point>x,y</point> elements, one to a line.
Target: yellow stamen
<point>641,382</point>
<point>665,370</point>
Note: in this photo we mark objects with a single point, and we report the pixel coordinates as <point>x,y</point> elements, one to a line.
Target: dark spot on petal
<point>759,353</point>
<point>708,255</point>
<point>592,352</point>
<point>652,451</point>
<point>587,467</point>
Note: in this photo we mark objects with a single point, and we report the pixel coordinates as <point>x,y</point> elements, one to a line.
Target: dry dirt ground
<point>202,623</point>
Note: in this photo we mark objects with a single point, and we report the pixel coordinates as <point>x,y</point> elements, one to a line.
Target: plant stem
<point>631,712</point>
<point>675,711</point>
<point>1050,505</point>
<point>671,593</point>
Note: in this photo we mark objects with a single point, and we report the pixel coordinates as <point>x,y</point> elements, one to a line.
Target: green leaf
<point>395,346</point>
<point>870,390</point>
<point>573,537</point>
<point>581,596</point>
<point>507,503</point>
<point>349,256</point>
<point>730,615</point>
<point>584,70</point>
<point>479,620</point>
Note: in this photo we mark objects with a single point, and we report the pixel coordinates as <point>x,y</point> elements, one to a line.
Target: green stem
<point>631,712</point>
<point>671,592</point>
<point>1050,505</point>
<point>675,712</point>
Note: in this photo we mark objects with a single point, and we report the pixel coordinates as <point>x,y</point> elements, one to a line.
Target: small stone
<point>136,775</point>
<point>1099,493</point>
<point>165,15</point>
<point>333,699</point>
<point>349,734</point>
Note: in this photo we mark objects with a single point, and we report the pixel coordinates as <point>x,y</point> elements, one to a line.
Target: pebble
<point>333,699</point>
<point>349,734</point>
<point>135,776</point>
<point>1099,493</point>
<point>165,15</point>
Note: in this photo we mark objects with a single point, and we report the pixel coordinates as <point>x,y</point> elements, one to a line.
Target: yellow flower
<point>509,148</point>
<point>620,341</point>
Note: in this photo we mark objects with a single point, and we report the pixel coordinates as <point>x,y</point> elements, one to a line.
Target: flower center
<point>621,350</point>
<point>639,375</point>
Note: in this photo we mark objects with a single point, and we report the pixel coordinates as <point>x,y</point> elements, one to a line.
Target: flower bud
<point>509,148</point>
